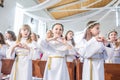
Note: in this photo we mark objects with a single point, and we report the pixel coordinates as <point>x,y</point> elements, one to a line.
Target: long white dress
<point>56,68</point>
<point>22,67</point>
<point>93,53</point>
<point>3,51</point>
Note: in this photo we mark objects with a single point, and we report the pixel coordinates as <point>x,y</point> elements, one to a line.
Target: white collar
<point>23,40</point>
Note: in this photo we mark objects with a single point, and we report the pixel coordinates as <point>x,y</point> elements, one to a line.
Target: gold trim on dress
<point>50,60</point>
<point>91,73</point>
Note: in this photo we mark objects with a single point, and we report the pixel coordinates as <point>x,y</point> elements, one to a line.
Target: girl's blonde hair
<point>25,26</point>
<point>112,32</point>
<point>90,25</point>
<point>51,34</point>
<point>34,36</point>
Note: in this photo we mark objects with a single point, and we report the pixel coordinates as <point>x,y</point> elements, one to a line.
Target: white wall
<point>7,15</point>
<point>33,24</point>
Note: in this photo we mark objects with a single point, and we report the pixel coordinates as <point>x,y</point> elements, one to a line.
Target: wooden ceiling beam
<point>65,5</point>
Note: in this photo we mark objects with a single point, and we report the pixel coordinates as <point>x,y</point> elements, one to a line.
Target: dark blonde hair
<point>51,34</point>
<point>2,41</point>
<point>35,36</point>
<point>90,25</point>
<point>13,36</point>
<point>25,26</point>
<point>58,24</point>
<point>112,32</point>
<point>72,40</point>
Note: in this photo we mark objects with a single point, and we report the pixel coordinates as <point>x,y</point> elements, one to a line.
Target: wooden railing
<point>38,68</point>
<point>112,71</point>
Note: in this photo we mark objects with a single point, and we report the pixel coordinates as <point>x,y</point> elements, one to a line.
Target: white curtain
<point>41,6</point>
<point>51,2</point>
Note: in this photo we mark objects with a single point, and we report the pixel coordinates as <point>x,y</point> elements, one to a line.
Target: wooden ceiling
<point>40,1</point>
<point>59,10</point>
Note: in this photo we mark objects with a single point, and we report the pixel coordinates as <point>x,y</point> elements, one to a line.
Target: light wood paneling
<point>58,15</point>
<point>40,1</point>
<point>62,2</point>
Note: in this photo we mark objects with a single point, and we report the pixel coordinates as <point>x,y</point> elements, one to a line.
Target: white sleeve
<point>88,49</point>
<point>72,51</point>
<point>44,46</point>
<point>10,54</point>
<point>4,50</point>
<point>105,53</point>
<point>110,53</point>
<point>35,54</point>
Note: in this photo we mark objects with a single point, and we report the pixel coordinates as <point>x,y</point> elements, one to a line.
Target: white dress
<point>45,54</point>
<point>56,68</point>
<point>10,43</point>
<point>35,55</point>
<point>93,53</point>
<point>3,51</point>
<point>72,53</point>
<point>22,67</point>
<point>116,56</point>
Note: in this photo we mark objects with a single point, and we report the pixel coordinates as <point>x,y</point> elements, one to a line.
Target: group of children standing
<point>58,49</point>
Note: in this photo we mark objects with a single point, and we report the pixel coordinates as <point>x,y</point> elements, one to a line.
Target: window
<point>18,18</point>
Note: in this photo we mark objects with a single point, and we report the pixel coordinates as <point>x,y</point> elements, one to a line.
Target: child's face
<point>113,36</point>
<point>95,30</point>
<point>49,34</point>
<point>8,36</point>
<point>70,35</point>
<point>25,33</point>
<point>57,31</point>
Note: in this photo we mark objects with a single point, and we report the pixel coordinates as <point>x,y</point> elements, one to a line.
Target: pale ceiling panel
<point>62,2</point>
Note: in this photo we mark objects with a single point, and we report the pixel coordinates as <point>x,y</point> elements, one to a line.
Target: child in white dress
<point>112,44</point>
<point>3,50</point>
<point>57,47</point>
<point>116,56</point>
<point>22,67</point>
<point>49,35</point>
<point>92,50</point>
<point>34,39</point>
<point>69,38</point>
<point>10,37</point>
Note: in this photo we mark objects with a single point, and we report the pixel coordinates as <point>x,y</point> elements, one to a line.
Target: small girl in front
<point>92,50</point>
<point>57,47</point>
<point>22,67</point>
